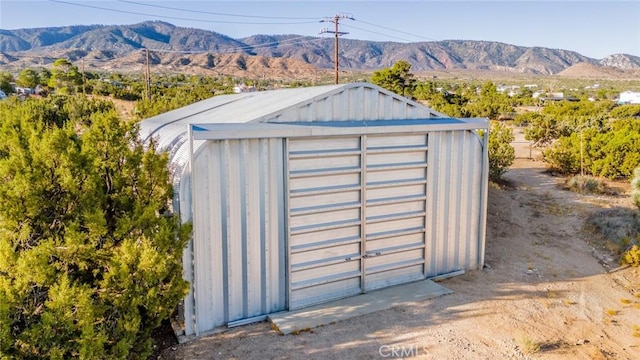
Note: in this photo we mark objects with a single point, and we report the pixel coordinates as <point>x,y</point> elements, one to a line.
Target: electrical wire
<point>217,13</point>
<point>239,15</point>
<point>291,41</point>
<point>182,18</point>
<point>240,48</point>
<point>395,30</point>
<point>374,32</point>
<point>228,50</point>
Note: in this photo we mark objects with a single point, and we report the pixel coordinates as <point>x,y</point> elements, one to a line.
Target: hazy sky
<point>592,28</point>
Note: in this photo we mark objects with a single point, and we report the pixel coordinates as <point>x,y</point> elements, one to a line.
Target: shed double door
<point>356,214</point>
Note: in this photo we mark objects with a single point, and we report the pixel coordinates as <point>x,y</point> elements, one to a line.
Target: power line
<point>286,18</point>
<point>395,30</point>
<point>375,32</point>
<point>182,18</point>
<point>217,13</point>
<point>290,41</point>
<point>241,48</point>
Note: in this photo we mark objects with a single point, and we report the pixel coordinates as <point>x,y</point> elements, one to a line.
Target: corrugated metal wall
<point>288,223</point>
<point>239,236</point>
<point>354,104</point>
<point>454,200</point>
<point>395,209</point>
<point>324,182</point>
<point>418,193</point>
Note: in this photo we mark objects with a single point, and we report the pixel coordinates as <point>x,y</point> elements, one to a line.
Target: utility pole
<point>83,79</point>
<point>336,21</point>
<point>148,78</point>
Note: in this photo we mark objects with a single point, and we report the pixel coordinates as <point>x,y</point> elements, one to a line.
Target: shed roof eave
<point>287,130</point>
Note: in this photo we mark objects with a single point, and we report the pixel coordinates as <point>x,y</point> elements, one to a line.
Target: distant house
<point>23,90</point>
<point>629,97</point>
<point>114,83</point>
<point>242,88</point>
<point>558,96</point>
<point>511,90</point>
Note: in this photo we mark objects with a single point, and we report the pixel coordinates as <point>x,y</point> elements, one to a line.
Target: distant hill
<point>118,39</point>
<point>593,71</point>
<point>119,46</point>
<point>622,61</point>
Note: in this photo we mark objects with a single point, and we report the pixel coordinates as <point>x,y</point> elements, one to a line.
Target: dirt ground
<point>547,292</point>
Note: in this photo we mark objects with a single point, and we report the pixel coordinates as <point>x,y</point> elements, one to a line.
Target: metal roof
<point>346,102</point>
<point>262,106</point>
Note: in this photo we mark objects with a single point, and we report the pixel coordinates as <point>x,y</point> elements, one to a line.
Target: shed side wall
<point>453,201</point>
<point>238,231</point>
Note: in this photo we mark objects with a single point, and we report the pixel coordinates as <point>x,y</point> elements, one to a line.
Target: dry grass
<point>618,227</point>
<point>612,312</point>
<point>528,345</point>
<point>588,185</point>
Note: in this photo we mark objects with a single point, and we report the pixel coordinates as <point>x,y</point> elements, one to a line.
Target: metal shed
<point>302,196</point>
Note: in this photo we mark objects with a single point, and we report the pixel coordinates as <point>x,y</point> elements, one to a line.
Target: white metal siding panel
<point>275,247</point>
<point>356,103</point>
<point>465,202</point>
<point>369,106</point>
<point>324,219</point>
<point>238,231</point>
<point>206,234</point>
<point>445,179</point>
<point>395,216</point>
<point>233,205</point>
<point>454,187</point>
<point>433,174</point>
<point>399,109</point>
<point>253,230</point>
<point>184,207</point>
<point>474,183</point>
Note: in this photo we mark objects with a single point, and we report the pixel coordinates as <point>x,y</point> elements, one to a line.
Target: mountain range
<point>179,48</point>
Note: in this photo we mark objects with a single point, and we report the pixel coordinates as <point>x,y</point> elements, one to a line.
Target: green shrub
<point>620,227</point>
<point>635,187</point>
<point>586,185</point>
<point>89,263</point>
<point>526,118</point>
<point>612,153</point>
<point>541,129</point>
<point>626,111</point>
<point>501,153</point>
<point>632,256</point>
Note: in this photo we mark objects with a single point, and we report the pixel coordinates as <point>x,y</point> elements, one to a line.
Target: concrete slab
<point>323,314</point>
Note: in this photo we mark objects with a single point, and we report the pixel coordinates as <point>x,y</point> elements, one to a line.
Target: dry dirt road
<point>543,295</point>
